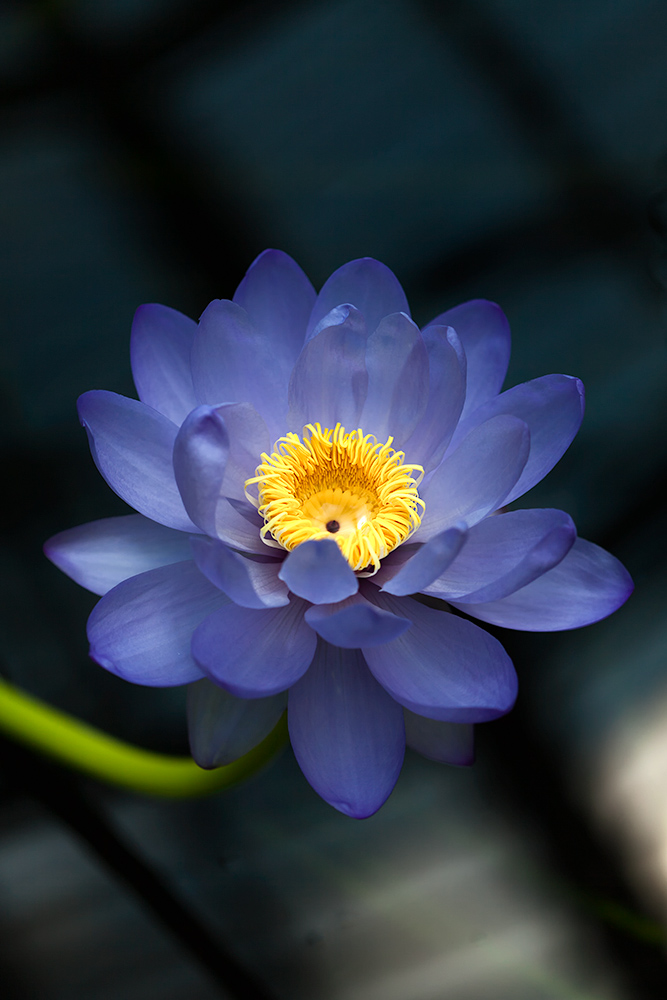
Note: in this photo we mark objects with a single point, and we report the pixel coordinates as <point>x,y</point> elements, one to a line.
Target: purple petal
<point>329,381</point>
<point>222,727</point>
<point>444,667</point>
<point>447,388</point>
<point>319,572</point>
<point>587,585</point>
<point>278,298</point>
<point>346,732</point>
<point>160,355</point>
<point>506,552</point>
<point>248,438</point>
<point>132,446</point>
<point>365,283</point>
<point>476,478</point>
<point>141,629</point>
<point>238,525</point>
<point>446,742</point>
<point>485,334</point>
<point>429,562</point>
<point>200,456</point>
<point>101,554</point>
<point>252,653</point>
<point>553,408</point>
<point>248,583</point>
<point>398,379</point>
<point>354,623</point>
<point>232,362</point>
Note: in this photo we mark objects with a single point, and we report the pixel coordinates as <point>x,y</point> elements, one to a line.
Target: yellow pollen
<point>332,484</point>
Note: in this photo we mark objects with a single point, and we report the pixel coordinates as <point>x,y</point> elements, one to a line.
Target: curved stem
<point>85,748</point>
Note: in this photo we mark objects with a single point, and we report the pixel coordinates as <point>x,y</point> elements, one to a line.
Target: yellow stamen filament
<point>345,486</point>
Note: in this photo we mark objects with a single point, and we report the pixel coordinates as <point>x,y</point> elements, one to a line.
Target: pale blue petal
<point>329,381</point>
<point>365,283</point>
<point>444,667</point>
<point>319,572</point>
<point>200,456</point>
<point>346,732</point>
<point>446,393</point>
<point>223,728</point>
<point>586,586</point>
<point>252,653</point>
<point>354,623</point>
<point>428,563</point>
<point>247,582</point>
<point>278,298</point>
<point>132,446</point>
<point>102,554</point>
<point>476,478</point>
<point>160,354</point>
<point>141,630</point>
<point>398,380</point>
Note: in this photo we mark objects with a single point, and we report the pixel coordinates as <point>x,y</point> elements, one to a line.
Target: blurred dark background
<point>505,149</point>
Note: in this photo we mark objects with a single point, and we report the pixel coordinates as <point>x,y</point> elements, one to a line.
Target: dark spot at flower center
<point>333,527</point>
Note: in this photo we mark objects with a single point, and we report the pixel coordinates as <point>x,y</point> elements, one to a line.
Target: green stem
<point>85,748</point>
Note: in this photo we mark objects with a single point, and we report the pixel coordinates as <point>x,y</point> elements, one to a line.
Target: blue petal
<point>398,380</point>
<point>354,623</point>
<point>444,667</point>
<point>446,742</point>
<point>365,283</point>
<point>485,334</point>
<point>319,572</point>
<point>552,407</point>
<point>160,354</point>
<point>102,554</point>
<point>476,478</point>
<point>586,586</point>
<point>132,446</point>
<point>506,552</point>
<point>222,727</point>
<point>232,362</point>
<point>428,563</point>
<point>200,456</point>
<point>248,583</point>
<point>141,629</point>
<point>238,525</point>
<point>329,381</point>
<point>248,438</point>
<point>346,732</point>
<point>255,653</point>
<point>278,298</point>
<point>446,393</point>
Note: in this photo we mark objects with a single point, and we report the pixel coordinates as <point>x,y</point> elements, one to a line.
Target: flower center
<point>331,484</point>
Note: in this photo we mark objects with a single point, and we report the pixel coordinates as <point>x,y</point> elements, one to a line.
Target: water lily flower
<point>302,465</point>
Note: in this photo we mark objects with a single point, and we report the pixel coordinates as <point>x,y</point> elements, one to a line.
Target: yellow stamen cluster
<point>345,486</point>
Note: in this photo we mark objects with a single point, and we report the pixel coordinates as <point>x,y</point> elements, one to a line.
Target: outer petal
<point>346,732</point>
<point>506,552</point>
<point>200,456</point>
<point>232,362</point>
<point>255,653</point>
<point>354,623</point>
<point>477,477</point>
<point>141,629</point>
<point>222,728</point>
<point>485,334</point>
<point>160,355</point>
<point>398,379</point>
<point>446,394</point>
<point>553,408</point>
<point>428,563</point>
<point>329,381</point>
<point>101,554</point>
<point>319,572</point>
<point>366,284</point>
<point>587,585</point>
<point>132,446</point>
<point>446,742</point>
<point>248,583</point>
<point>444,667</point>
<point>278,298</point>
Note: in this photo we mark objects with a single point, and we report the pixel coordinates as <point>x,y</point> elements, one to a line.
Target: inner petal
<point>329,483</point>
